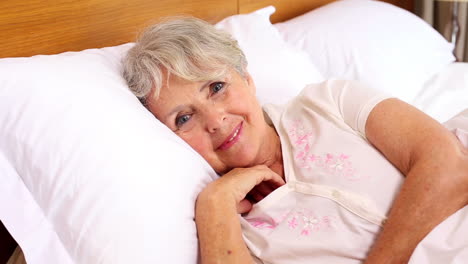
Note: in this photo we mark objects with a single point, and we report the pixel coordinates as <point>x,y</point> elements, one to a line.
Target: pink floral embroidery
<point>335,164</point>
<point>280,218</point>
<point>300,139</point>
<point>269,224</point>
<point>311,222</point>
<point>327,221</point>
<point>292,223</point>
<point>261,224</point>
<point>340,165</point>
<point>308,222</point>
<point>305,221</point>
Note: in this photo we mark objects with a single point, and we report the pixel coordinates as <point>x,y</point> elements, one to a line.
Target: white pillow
<point>380,44</point>
<point>88,175</point>
<point>279,71</point>
<point>446,93</point>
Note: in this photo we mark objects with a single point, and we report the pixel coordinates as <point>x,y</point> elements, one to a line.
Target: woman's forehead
<point>173,81</point>
<point>176,86</point>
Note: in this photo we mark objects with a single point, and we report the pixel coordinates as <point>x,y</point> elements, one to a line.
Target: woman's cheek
<point>198,143</point>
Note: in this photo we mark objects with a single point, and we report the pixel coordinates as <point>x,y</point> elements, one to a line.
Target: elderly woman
<point>340,174</point>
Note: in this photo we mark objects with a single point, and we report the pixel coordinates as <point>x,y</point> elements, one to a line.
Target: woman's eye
<point>180,120</point>
<point>216,87</point>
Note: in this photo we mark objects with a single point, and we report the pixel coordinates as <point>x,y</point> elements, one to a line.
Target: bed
<point>84,167</point>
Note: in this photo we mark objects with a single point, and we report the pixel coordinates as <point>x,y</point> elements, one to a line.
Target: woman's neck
<point>274,156</point>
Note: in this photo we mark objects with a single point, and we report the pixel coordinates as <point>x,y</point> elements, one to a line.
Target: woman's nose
<point>214,119</point>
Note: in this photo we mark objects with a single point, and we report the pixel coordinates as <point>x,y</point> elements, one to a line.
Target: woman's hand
<point>243,186</point>
<point>217,209</point>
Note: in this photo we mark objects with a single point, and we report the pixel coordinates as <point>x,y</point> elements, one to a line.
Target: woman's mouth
<point>232,138</point>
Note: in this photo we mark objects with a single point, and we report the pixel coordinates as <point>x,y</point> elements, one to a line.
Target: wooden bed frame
<point>31,27</point>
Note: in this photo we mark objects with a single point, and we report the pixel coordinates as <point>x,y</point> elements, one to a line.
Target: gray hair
<point>187,47</point>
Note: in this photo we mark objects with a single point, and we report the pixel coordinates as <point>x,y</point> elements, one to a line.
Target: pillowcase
<point>273,64</point>
<point>89,175</point>
<point>377,43</point>
<point>446,93</point>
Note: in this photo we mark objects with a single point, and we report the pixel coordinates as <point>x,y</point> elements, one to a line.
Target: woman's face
<point>221,119</point>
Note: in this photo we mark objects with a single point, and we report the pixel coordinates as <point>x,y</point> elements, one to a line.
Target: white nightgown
<point>338,187</point>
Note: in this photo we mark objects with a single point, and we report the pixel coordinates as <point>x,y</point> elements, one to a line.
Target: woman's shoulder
<point>345,103</point>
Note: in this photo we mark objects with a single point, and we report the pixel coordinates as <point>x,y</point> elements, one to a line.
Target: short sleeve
<point>342,100</point>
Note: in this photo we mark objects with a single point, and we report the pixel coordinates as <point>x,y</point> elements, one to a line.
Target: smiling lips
<point>232,138</point>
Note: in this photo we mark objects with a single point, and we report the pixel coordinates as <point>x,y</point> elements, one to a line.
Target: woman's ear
<point>250,82</point>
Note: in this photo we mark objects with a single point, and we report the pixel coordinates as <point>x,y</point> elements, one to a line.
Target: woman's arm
<point>436,169</point>
<point>217,214</point>
<point>219,232</point>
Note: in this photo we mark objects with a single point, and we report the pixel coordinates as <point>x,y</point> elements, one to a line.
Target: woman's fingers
<point>268,182</point>
<point>256,196</point>
<point>267,175</point>
<point>257,181</point>
<point>264,188</point>
<point>244,206</point>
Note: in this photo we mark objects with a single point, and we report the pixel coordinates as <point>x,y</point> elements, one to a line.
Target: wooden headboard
<point>30,27</point>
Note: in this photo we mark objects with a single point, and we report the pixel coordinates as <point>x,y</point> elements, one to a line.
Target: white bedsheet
<point>447,243</point>
<point>446,93</point>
